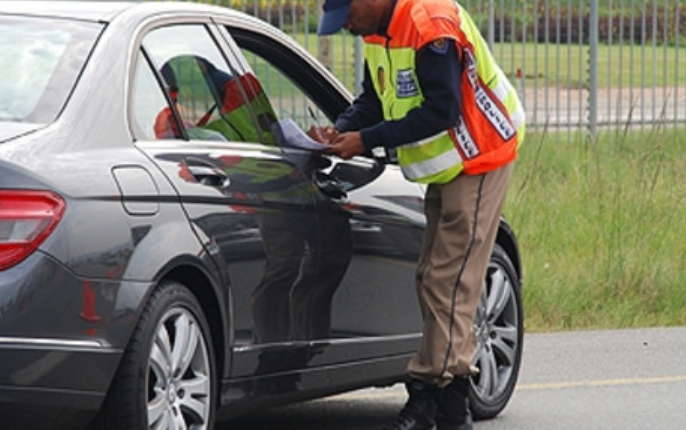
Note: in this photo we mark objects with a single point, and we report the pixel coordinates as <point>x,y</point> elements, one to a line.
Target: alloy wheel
<point>178,383</point>
<point>498,329</point>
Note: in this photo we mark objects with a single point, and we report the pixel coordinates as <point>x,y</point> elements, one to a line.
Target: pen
<point>316,124</point>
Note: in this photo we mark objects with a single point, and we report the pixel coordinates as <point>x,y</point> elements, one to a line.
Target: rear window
<point>40,61</point>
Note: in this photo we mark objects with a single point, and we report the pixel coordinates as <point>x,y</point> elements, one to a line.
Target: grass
<point>602,230</point>
<point>618,65</point>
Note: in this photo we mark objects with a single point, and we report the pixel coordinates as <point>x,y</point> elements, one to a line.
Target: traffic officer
<point>433,92</point>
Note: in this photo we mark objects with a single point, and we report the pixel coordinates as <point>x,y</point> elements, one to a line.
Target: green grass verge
<point>551,65</point>
<point>618,65</point>
<point>602,230</point>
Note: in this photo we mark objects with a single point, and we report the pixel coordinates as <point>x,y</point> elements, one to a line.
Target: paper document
<point>288,133</point>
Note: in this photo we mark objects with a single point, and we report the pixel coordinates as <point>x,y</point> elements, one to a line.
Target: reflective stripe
<point>425,141</point>
<point>503,88</point>
<point>497,118</point>
<point>508,95</point>
<point>505,92</point>
<point>518,117</point>
<point>464,138</point>
<point>408,154</point>
<point>437,164</point>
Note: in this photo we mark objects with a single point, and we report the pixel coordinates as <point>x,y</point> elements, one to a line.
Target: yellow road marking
<point>391,393</point>
<point>601,383</point>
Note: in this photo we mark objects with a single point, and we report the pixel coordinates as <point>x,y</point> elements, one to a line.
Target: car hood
<point>12,130</point>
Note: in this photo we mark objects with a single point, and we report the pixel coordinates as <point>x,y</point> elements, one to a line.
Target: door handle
<point>207,174</point>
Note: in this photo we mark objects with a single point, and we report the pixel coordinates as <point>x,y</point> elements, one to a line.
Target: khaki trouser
<point>462,222</point>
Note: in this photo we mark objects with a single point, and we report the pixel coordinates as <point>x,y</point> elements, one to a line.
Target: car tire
<point>168,372</point>
<point>499,329</point>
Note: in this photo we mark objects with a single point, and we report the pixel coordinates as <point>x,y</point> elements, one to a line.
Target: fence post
<point>359,65</point>
<point>593,72</point>
<point>324,51</point>
<point>491,24</point>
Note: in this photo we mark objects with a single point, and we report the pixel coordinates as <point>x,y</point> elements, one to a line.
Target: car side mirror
<point>356,173</point>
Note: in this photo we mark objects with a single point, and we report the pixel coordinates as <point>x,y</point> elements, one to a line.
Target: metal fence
<point>578,65</point>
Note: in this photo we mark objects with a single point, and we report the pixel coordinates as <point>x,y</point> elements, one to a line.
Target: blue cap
<point>335,14</point>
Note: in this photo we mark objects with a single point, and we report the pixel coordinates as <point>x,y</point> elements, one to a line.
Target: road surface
<point>594,380</point>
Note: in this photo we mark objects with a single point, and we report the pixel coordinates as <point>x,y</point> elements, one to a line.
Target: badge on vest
<point>439,46</point>
<point>406,84</point>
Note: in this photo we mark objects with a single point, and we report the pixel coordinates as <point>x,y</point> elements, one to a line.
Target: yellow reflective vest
<point>491,125</point>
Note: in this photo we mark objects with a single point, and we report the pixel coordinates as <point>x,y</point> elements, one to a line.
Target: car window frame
<point>286,58</point>
<point>138,48</point>
<point>230,63</point>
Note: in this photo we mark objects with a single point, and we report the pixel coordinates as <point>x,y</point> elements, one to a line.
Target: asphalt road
<point>595,380</point>
<point>562,108</point>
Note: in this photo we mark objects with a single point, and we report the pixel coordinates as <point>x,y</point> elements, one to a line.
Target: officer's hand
<point>322,134</point>
<point>346,145</point>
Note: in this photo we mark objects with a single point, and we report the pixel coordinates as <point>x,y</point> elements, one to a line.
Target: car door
<point>366,304</point>
<point>201,116</point>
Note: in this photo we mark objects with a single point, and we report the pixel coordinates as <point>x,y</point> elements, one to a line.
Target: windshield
<point>40,61</point>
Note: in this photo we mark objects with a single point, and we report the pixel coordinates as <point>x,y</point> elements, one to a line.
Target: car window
<point>285,96</point>
<point>41,60</point>
<point>271,57</point>
<point>149,103</point>
<point>296,90</point>
<point>204,97</point>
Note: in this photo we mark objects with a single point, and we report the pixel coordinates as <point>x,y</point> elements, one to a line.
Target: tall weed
<point>602,229</point>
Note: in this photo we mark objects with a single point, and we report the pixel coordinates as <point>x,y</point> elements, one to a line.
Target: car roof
<point>101,11</point>
<point>96,11</point>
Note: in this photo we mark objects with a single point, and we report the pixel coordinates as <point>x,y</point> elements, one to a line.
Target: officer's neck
<point>387,15</point>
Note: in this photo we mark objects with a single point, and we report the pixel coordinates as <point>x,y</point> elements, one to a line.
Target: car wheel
<point>499,334</point>
<point>166,379</point>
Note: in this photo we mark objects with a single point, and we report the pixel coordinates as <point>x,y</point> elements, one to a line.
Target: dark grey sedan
<point>174,250</point>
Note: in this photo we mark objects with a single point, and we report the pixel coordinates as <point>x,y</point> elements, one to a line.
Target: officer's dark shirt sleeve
<point>365,110</point>
<point>439,73</point>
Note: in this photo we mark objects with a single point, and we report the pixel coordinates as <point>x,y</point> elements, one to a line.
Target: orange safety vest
<point>491,126</point>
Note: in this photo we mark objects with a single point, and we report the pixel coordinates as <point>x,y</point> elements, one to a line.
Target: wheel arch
<point>201,286</point>
<point>508,241</point>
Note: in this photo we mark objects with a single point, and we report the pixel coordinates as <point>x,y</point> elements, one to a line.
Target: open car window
<point>286,97</point>
<point>270,58</point>
<point>300,93</point>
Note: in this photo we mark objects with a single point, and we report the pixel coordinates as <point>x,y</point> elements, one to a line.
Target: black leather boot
<point>453,410</point>
<point>419,413</point>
